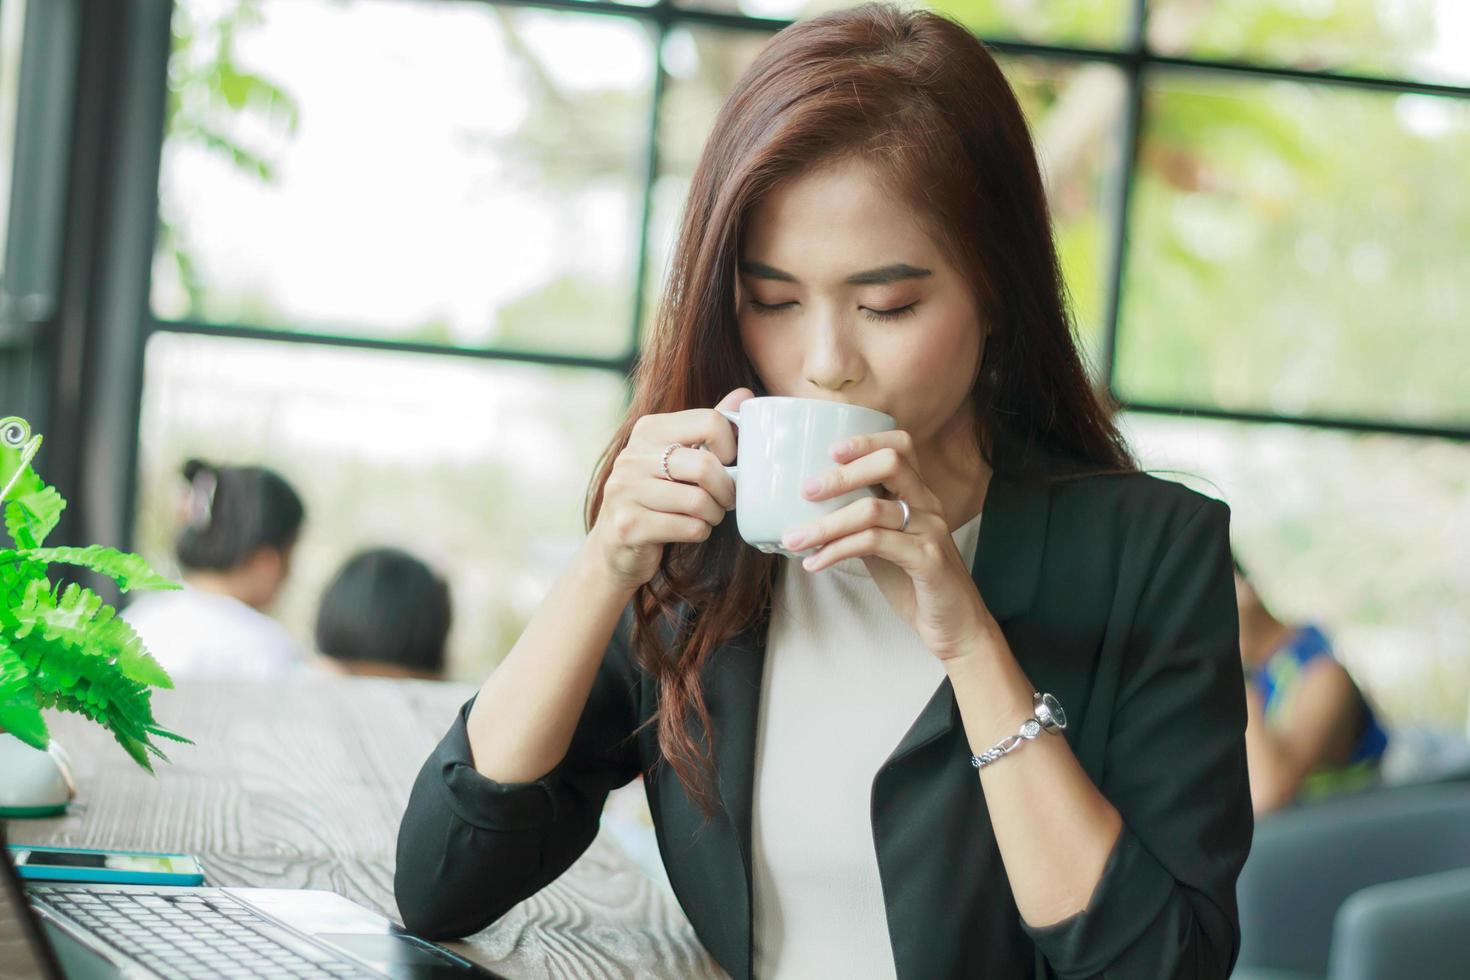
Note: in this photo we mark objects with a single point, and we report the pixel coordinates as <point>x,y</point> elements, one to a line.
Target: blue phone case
<point>110,876</point>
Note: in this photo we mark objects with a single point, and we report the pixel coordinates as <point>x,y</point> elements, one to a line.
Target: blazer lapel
<point>732,693</point>
<point>732,683</point>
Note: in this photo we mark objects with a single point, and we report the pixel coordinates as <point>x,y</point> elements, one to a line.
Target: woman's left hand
<point>919,570</point>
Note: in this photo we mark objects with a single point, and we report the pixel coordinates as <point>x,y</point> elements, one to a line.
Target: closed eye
<point>893,314</point>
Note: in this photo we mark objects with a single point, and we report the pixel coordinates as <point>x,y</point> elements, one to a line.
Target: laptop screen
<point>24,954</point>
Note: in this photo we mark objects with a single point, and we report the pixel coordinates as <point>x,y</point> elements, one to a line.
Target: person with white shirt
<point>240,525</point>
<point>991,723</point>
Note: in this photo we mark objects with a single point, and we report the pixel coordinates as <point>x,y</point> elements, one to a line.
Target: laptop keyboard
<point>188,936</point>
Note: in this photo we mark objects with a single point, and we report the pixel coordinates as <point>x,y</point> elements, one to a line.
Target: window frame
<point>104,315</point>
<point>1135,58</point>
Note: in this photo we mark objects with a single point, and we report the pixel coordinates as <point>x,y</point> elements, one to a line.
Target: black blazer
<point>1115,594</point>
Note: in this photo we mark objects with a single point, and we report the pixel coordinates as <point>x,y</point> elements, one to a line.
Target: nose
<point>832,360</point>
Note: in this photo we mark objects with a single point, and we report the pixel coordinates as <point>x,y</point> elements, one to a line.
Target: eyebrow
<point>873,277</point>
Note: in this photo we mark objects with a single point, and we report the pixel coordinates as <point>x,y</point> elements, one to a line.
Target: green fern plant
<point>66,649</point>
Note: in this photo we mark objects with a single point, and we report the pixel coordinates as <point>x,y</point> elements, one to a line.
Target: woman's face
<point>843,296</point>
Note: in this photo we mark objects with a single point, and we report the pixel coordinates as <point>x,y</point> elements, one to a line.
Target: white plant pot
<point>33,783</point>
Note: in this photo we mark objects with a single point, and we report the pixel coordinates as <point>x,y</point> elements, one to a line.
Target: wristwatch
<point>1048,717</point>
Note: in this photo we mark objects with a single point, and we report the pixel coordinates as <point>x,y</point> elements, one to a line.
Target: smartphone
<point>114,867</point>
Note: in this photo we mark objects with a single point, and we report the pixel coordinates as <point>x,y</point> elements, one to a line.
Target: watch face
<point>1051,709</point>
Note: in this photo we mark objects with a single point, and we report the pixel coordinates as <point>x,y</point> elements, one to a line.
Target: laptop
<point>78,931</point>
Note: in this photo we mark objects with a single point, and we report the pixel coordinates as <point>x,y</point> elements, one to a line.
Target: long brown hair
<point>919,98</point>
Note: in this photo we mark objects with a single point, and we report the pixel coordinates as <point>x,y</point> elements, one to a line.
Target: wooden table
<point>301,783</point>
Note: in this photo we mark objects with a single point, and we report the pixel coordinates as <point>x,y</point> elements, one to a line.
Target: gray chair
<point>1416,929</point>
<point>1305,862</point>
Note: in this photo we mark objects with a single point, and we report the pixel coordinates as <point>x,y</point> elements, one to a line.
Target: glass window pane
<point>702,65</point>
<point>12,28</point>
<point>1299,249</point>
<point>1089,22</point>
<point>1074,110</point>
<point>1426,40</point>
<point>458,173</point>
<point>1367,534</point>
<point>478,466</point>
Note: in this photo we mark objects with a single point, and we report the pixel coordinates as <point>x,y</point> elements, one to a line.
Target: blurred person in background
<point>1310,730</point>
<point>385,614</point>
<point>867,225</point>
<point>239,526</point>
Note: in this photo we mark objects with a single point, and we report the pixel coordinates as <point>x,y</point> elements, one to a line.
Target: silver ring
<point>665,461</point>
<point>905,505</point>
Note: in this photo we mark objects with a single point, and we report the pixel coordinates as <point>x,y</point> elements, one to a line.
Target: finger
<point>646,526</point>
<point>700,467</point>
<point>678,498</point>
<point>884,468</point>
<point>732,401</point>
<point>898,440</point>
<point>856,516</point>
<point>695,426</point>
<point>905,550</point>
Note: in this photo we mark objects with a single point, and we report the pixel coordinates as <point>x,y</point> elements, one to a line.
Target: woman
<point>1309,731</point>
<point>385,614</point>
<point>867,225</point>
<point>240,525</point>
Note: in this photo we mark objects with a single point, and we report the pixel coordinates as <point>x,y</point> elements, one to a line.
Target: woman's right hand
<point>642,510</point>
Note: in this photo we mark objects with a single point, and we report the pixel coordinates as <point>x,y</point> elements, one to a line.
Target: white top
<point>196,633</point>
<point>845,679</point>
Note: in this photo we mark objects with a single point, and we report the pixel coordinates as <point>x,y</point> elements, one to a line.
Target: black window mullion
<point>650,174</point>
<point>1336,423</point>
<point>1381,83</point>
<point>1122,187</point>
<point>243,332</point>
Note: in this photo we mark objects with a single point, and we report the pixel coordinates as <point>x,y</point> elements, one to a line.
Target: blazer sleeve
<point>470,848</point>
<point>1175,769</point>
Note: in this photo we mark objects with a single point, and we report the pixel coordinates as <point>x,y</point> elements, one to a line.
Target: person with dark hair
<point>238,527</point>
<point>990,722</point>
<point>1310,730</point>
<point>386,614</point>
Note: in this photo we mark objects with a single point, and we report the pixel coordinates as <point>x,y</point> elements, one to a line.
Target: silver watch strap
<point>1042,721</point>
<point>1030,728</point>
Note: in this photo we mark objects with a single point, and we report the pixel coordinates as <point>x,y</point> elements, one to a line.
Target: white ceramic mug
<point>782,441</point>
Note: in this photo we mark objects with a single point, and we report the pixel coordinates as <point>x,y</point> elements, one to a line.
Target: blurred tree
<point>1250,283</point>
<point>1326,35</point>
<point>555,316</point>
<point>211,98</point>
